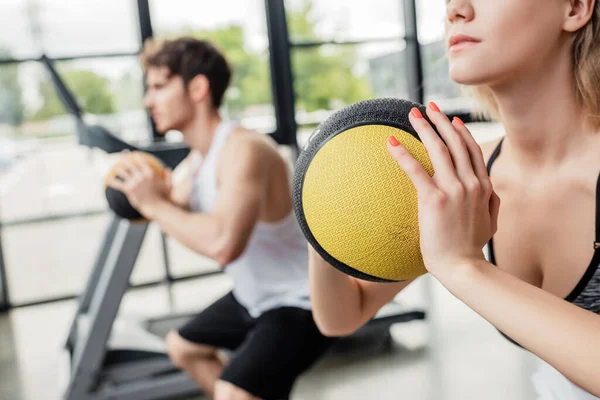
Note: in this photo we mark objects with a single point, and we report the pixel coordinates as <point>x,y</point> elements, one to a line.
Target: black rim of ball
<point>299,182</point>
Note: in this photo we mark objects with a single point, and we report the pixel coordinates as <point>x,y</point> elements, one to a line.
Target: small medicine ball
<point>117,200</point>
<point>354,203</point>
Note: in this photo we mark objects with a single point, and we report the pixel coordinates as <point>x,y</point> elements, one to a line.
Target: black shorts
<point>270,352</point>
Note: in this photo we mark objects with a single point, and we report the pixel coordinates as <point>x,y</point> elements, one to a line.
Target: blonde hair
<point>586,63</point>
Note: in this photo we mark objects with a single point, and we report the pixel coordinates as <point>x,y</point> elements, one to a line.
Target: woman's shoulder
<point>488,147</point>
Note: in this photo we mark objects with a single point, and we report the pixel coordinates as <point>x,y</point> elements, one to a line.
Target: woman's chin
<point>469,76</point>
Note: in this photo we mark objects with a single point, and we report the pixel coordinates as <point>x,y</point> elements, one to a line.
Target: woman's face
<point>493,41</point>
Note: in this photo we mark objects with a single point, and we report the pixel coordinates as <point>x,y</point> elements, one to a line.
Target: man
<point>230,201</point>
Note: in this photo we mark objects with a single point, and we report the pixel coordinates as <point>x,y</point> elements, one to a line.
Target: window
<point>366,61</point>
<point>431,17</point>
<point>238,28</point>
<point>340,20</point>
<point>16,31</point>
<point>71,28</point>
<point>62,28</point>
<point>437,85</point>
<point>329,77</point>
<point>185,262</point>
<point>45,173</point>
<point>54,258</point>
<point>112,90</point>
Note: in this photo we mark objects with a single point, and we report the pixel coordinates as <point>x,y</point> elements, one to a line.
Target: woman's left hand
<point>458,208</point>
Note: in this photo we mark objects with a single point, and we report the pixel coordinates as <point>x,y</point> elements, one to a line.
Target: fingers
<point>437,150</point>
<point>124,171</point>
<point>117,184</point>
<point>456,146</point>
<point>141,165</point>
<point>168,176</point>
<point>494,210</point>
<point>133,167</point>
<point>415,171</point>
<point>477,160</point>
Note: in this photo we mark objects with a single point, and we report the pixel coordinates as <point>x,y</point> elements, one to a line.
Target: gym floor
<point>454,355</point>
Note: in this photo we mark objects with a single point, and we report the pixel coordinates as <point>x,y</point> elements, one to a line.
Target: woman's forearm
<point>342,304</point>
<point>564,335</point>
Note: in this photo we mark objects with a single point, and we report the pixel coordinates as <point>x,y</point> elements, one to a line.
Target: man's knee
<point>228,391</point>
<point>182,353</point>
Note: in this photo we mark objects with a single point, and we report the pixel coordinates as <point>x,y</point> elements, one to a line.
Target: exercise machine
<point>97,136</point>
<point>107,356</point>
<point>113,358</point>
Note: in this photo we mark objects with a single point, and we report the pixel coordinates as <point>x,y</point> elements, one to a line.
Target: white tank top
<point>273,270</point>
<point>552,385</point>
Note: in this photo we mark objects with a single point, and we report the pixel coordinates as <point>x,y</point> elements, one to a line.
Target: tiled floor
<point>454,356</point>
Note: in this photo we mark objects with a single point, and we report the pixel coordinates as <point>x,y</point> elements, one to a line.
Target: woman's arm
<point>341,303</point>
<point>564,335</point>
<point>458,212</point>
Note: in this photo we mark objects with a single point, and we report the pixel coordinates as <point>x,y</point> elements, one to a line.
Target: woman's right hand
<point>458,208</point>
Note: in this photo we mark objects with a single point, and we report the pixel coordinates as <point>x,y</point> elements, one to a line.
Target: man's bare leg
<point>204,364</point>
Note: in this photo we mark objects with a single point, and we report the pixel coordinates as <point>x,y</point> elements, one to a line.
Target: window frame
<point>282,86</point>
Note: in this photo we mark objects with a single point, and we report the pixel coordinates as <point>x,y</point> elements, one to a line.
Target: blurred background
<point>295,62</point>
<point>50,187</point>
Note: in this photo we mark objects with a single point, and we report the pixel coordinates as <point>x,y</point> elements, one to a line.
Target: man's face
<point>167,100</point>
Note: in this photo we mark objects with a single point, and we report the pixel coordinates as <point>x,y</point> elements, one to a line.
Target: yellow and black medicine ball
<point>117,201</point>
<point>354,203</point>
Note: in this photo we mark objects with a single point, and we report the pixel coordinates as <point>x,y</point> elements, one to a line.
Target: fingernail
<point>434,106</point>
<point>458,121</point>
<point>416,113</point>
<point>393,141</point>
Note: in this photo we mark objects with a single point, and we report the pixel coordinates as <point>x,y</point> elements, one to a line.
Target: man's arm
<point>182,179</point>
<point>223,233</point>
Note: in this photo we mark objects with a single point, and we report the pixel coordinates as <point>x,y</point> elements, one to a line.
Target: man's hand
<point>223,232</point>
<point>144,187</point>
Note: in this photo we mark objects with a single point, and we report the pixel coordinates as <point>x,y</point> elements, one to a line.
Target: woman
<point>535,64</point>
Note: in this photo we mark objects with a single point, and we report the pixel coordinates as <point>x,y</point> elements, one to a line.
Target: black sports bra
<point>586,293</point>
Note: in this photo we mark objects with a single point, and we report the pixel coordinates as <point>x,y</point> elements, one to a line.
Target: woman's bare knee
<point>228,391</point>
<point>182,352</point>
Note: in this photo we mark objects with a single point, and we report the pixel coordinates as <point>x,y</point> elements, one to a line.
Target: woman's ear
<point>579,13</point>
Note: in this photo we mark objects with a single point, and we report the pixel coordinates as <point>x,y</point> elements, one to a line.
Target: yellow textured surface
<point>360,205</point>
<point>154,163</point>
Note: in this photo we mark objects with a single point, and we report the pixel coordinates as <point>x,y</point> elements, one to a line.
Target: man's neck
<point>201,130</point>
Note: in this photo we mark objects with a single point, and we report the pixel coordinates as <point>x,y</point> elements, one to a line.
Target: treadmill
<point>105,356</point>
<point>110,357</point>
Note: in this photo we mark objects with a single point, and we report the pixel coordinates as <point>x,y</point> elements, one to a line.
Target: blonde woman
<point>535,64</point>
